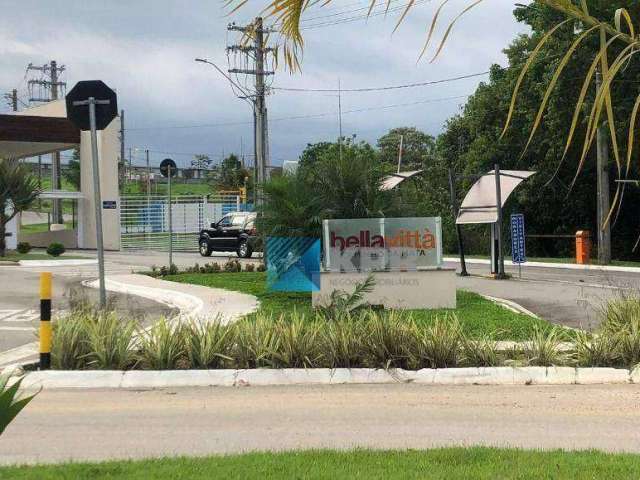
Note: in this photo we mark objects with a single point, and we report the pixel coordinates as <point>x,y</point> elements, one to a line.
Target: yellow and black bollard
<point>45,320</point>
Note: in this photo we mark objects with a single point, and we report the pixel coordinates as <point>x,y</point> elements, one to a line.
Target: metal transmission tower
<point>44,89</point>
<point>252,60</point>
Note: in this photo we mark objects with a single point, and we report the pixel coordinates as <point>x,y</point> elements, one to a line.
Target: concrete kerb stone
<point>594,376</point>
<point>53,379</point>
<point>58,263</point>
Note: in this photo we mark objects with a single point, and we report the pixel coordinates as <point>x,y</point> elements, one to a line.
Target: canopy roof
<point>37,131</point>
<point>392,181</point>
<point>479,206</point>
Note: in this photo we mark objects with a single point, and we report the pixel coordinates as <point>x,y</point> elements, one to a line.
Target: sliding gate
<point>144,220</point>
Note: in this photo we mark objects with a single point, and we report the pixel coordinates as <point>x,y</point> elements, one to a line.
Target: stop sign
<point>79,114</point>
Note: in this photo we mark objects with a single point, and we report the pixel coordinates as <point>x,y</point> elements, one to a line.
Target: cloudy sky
<point>145,49</point>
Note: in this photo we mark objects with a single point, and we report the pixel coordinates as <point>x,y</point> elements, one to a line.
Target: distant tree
<point>72,172</point>
<point>231,174</point>
<point>418,148</point>
<point>18,190</point>
<point>313,151</point>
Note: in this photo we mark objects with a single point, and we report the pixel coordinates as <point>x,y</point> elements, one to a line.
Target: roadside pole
<point>500,255</point>
<point>97,197</point>
<point>92,105</point>
<point>45,321</point>
<point>454,209</point>
<point>170,219</point>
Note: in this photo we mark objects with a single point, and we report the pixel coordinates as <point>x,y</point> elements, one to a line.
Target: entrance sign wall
<point>404,255</point>
<point>376,244</point>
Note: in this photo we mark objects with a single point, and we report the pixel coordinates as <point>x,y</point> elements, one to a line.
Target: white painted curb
<point>566,266</point>
<point>189,305</point>
<point>100,379</point>
<point>58,263</point>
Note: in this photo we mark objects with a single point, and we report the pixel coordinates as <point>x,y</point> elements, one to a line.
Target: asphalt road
<point>567,297</point>
<point>112,424</point>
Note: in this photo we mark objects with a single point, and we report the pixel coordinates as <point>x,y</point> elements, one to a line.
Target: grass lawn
<point>450,463</point>
<point>477,315</point>
<point>41,227</point>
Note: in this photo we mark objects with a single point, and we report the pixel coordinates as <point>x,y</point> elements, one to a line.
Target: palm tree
<point>617,38</point>
<point>18,190</point>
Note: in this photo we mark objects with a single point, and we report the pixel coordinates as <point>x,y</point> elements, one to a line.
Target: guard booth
<point>45,129</point>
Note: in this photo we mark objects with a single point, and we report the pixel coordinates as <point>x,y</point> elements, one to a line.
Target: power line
<point>379,89</point>
<point>313,115</point>
<point>365,16</point>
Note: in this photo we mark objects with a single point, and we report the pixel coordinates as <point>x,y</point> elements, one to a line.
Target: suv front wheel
<point>205,249</point>
<point>244,249</point>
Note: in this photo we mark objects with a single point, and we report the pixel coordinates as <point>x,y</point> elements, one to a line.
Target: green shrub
<point>109,341</point>
<point>543,349</point>
<point>232,266</point>
<point>482,352</point>
<point>342,342</point>
<point>249,267</point>
<point>23,248</point>
<point>438,345</point>
<point>256,342</point>
<point>385,339</point>
<point>56,249</point>
<point>298,345</point>
<point>209,345</point>
<point>261,268</point>
<point>70,345</point>
<point>162,347</point>
<point>597,350</point>
<point>11,403</point>
<point>620,313</point>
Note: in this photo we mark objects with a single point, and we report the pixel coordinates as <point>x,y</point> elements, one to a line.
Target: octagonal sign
<point>79,114</point>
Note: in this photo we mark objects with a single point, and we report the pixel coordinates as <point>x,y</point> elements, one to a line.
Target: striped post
<point>45,320</point>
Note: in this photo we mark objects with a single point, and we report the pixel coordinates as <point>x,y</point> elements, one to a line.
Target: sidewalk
<point>193,301</point>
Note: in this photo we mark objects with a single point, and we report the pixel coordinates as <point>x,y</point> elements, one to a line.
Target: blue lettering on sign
<point>518,252</point>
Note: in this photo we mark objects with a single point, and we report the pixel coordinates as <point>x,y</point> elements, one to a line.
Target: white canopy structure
<point>392,181</point>
<point>480,203</point>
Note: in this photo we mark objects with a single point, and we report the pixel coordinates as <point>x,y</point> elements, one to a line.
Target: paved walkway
<point>67,425</point>
<point>193,301</point>
<point>135,292</point>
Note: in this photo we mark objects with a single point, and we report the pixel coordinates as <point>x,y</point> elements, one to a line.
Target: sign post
<point>91,105</point>
<point>168,169</point>
<point>518,249</point>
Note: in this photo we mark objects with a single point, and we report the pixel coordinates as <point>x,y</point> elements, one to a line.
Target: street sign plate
<point>109,204</point>
<point>164,167</point>
<point>518,250</point>
<point>79,114</point>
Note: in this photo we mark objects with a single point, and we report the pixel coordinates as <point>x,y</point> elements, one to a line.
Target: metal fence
<point>144,220</point>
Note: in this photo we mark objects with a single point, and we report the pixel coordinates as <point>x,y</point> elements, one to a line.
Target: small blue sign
<point>293,264</point>
<point>518,251</point>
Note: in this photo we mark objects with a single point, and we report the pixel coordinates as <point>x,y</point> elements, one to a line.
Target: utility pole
<point>602,153</point>
<point>340,118</point>
<point>122,163</point>
<point>257,52</point>
<point>47,91</point>
<point>148,175</point>
<point>12,99</point>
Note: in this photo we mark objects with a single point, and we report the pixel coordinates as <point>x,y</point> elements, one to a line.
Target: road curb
<point>566,266</point>
<point>58,263</point>
<point>150,379</point>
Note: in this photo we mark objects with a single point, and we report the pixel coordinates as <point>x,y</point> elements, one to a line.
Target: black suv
<point>235,232</point>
